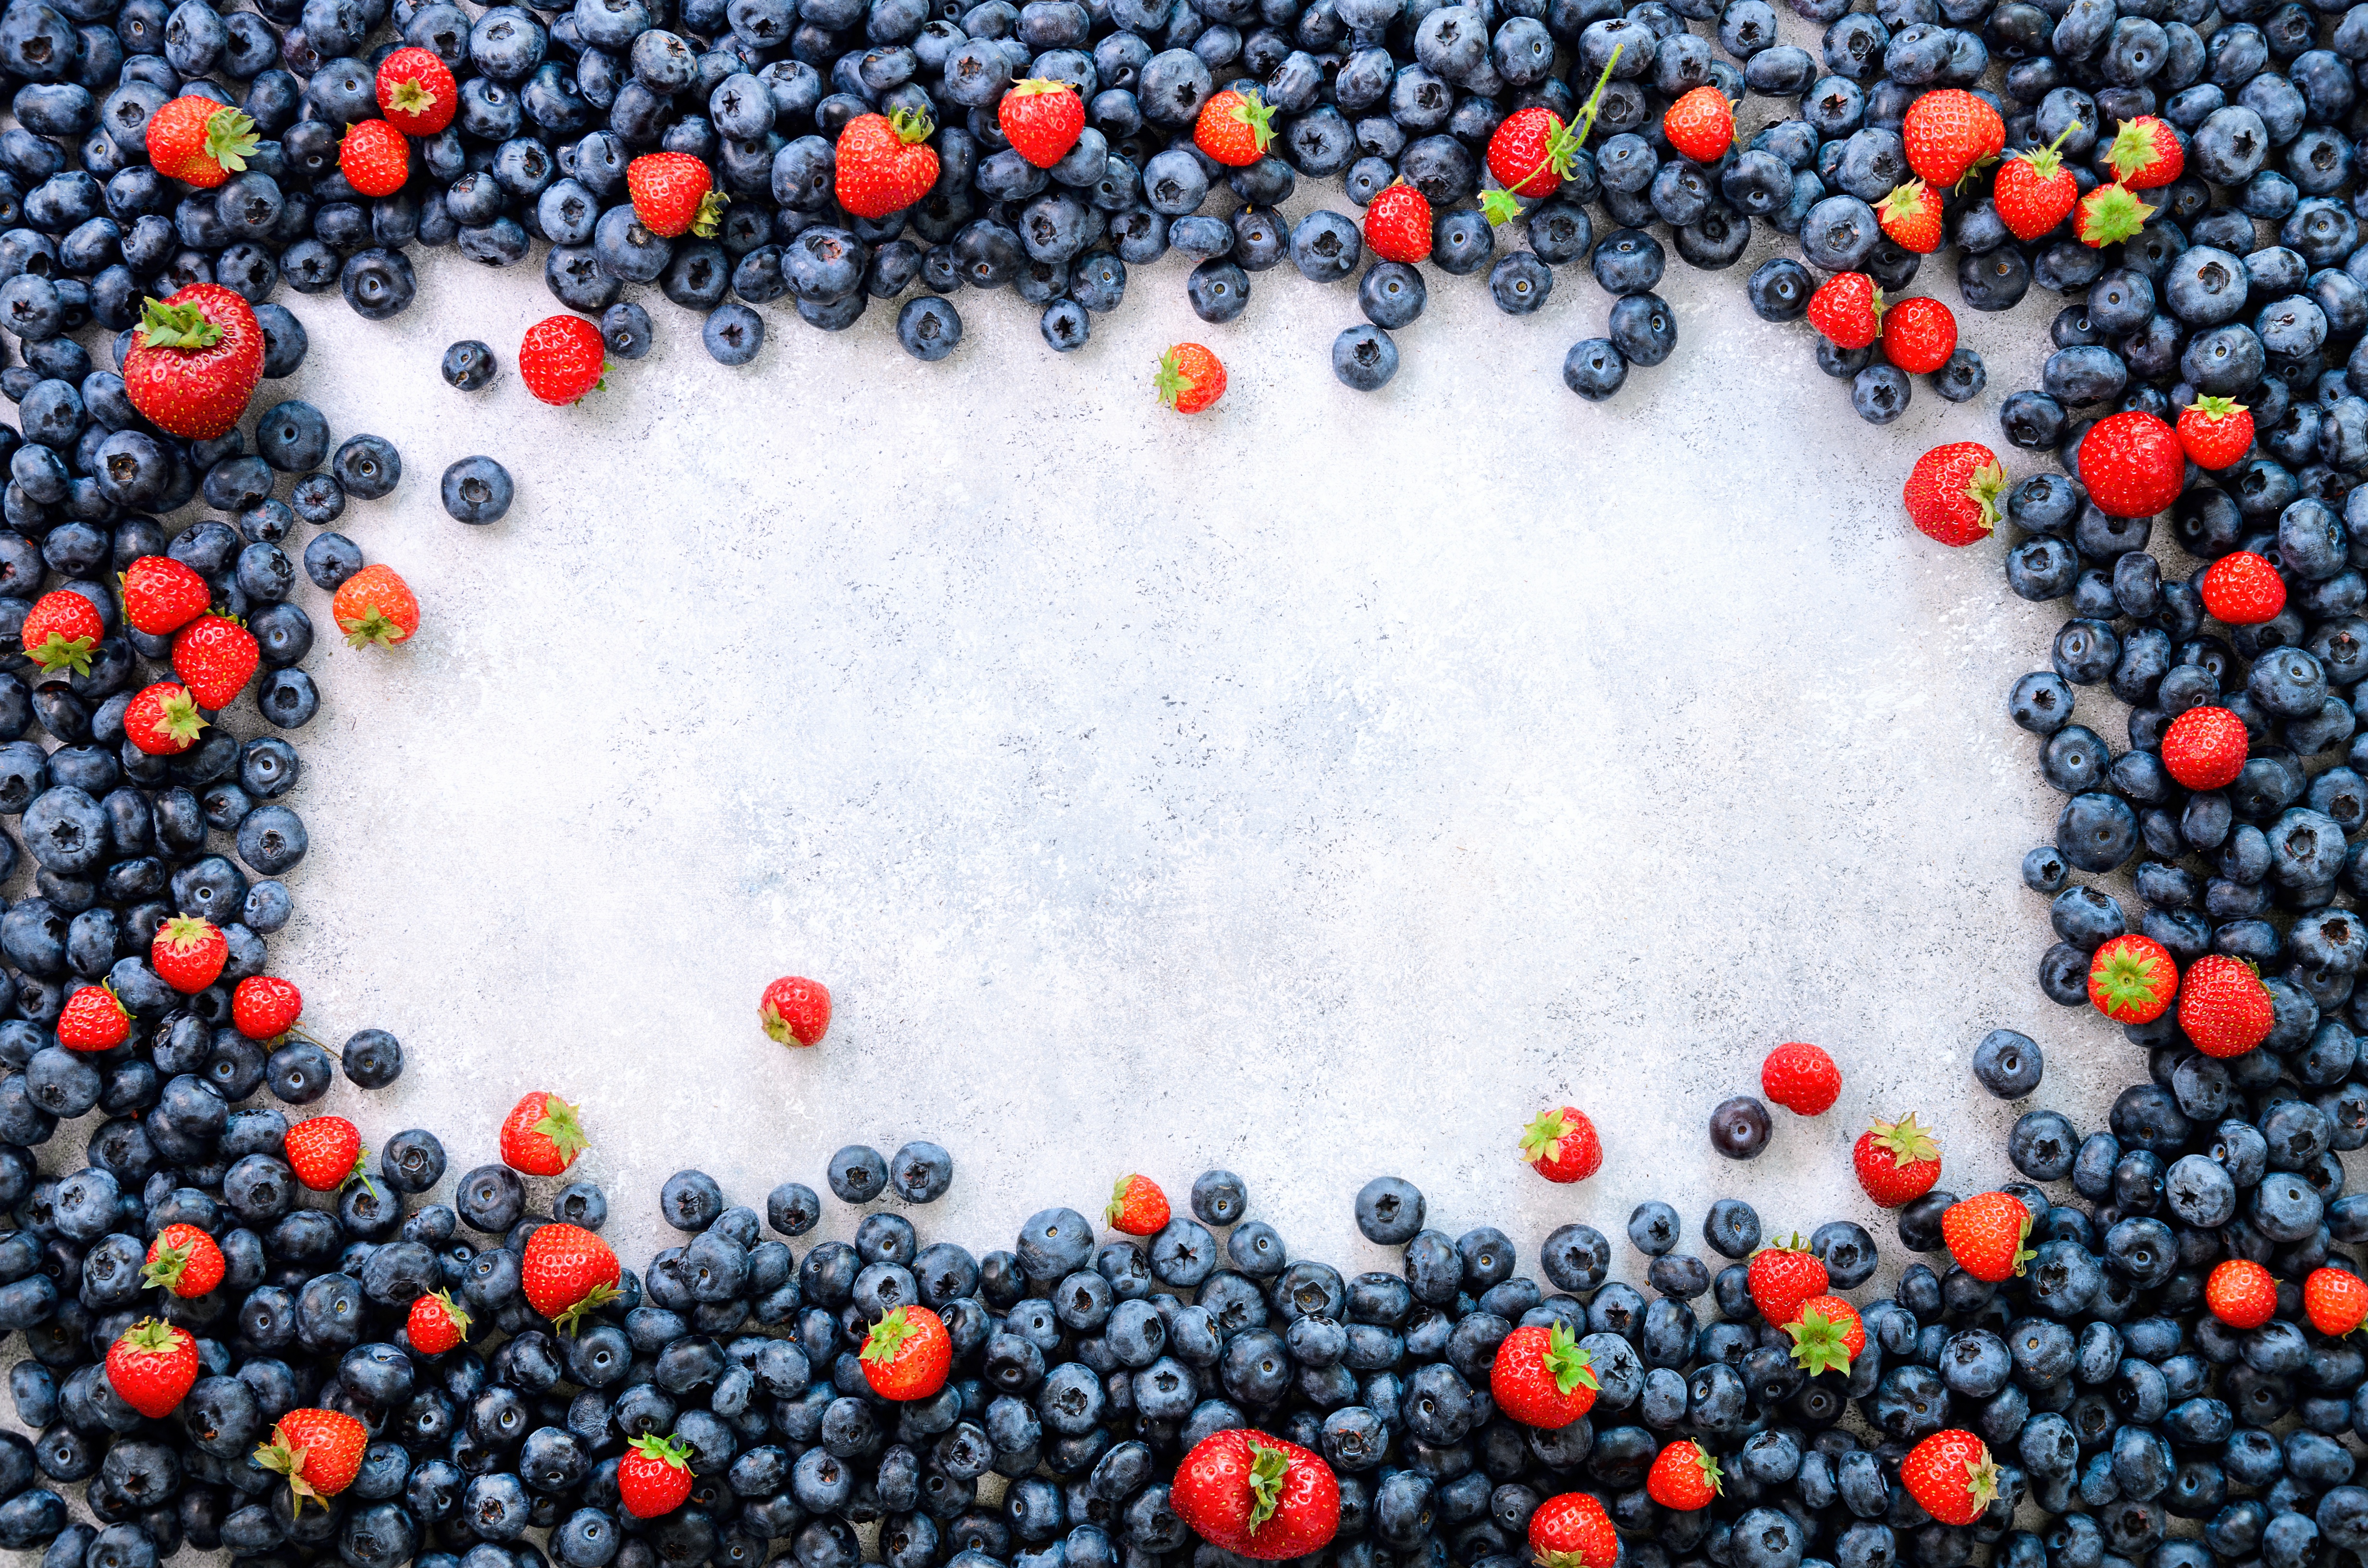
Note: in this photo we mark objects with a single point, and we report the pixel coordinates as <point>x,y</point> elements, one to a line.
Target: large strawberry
<point>674,193</point>
<point>375,158</point>
<point>1041,118</point>
<point>2242,588</point>
<point>325,1153</point>
<point>320,1452</point>
<point>198,142</point>
<point>1781,1276</point>
<point>1952,494</point>
<point>2133,464</point>
<point>163,719</point>
<point>2241,1293</point>
<point>2131,979</point>
<point>195,359</point>
<point>1531,152</point>
<point>265,1006</point>
<point>1541,1378</point>
<point>907,1353</point>
<point>1684,1476</point>
<point>1701,124</point>
<point>2109,215</point>
<point>2033,190</point>
<point>1950,134</point>
<point>1848,308</point>
<point>542,1135</point>
<point>161,595</point>
<point>93,1019</point>
<point>1234,128</point>
<point>188,953</point>
<point>1911,216</point>
<point>1950,1476</point>
<point>1826,1337</point>
<point>2216,431</point>
<point>561,358</point>
<point>61,631</point>
<point>150,1365</point>
<point>2205,748</point>
<point>436,1323</point>
<point>1918,334</point>
<point>2223,1008</point>
<point>1896,1162</point>
<point>1397,222</point>
<point>654,1478</point>
<point>1801,1077</point>
<point>885,163</point>
<point>1561,1145</point>
<point>1571,1531</point>
<point>1256,1496</point>
<point>2146,153</point>
<point>567,1271</point>
<point>215,655</point>
<point>184,1260</point>
<point>415,91</point>
<point>375,609</point>
<point>1984,1234</point>
<point>2336,1303</point>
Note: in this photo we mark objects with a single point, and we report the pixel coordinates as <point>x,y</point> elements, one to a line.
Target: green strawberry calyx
<point>1542,1139</point>
<point>2130,978</point>
<point>571,1320</point>
<point>1125,1184</point>
<point>151,1336</point>
<point>165,1268</point>
<point>559,1125</point>
<point>1984,489</point>
<point>177,717</point>
<point>711,213</point>
<point>2046,162</point>
<point>2133,149</point>
<point>889,1337</point>
<point>284,1456</point>
<point>1250,109</point>
<point>1570,1367</point>
<point>177,326</point>
<point>1820,1344</point>
<point>1709,1468</point>
<point>1269,1467</point>
<point>2214,408</point>
<point>672,1452</point>
<point>230,137</point>
<point>1906,200</point>
<point>1038,87</point>
<point>1982,1477</point>
<point>2022,1255</point>
<point>59,651</point>
<point>1904,1141</point>
<point>411,97</point>
<point>1171,383</point>
<point>910,125</point>
<point>2112,213</point>
<point>1501,206</point>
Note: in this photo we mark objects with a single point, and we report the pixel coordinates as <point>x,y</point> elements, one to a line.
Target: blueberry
<point>1739,1128</point>
<point>929,327</point>
<point>921,1172</point>
<point>1594,368</point>
<point>468,366</point>
<point>1392,294</point>
<point>474,490</point>
<point>1364,357</point>
<point>372,1058</point>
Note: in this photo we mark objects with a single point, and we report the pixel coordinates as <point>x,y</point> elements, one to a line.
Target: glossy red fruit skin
<point>561,358</point>
<point>2242,588</point>
<point>1211,1495</point>
<point>1801,1078</point>
<point>2133,464</point>
<point>2205,748</point>
<point>795,1011</point>
<point>1953,493</point>
<point>198,395</point>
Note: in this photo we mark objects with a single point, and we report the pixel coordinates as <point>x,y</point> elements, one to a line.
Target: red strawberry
<point>195,360</point>
<point>1571,1531</point>
<point>61,630</point>
<point>149,1367</point>
<point>1949,134</point>
<point>1397,223</point>
<point>1848,308</point>
<point>1256,1496</point>
<point>2216,432</point>
<point>1826,1337</point>
<point>265,1006</point>
<point>374,158</point>
<point>542,1135</point>
<point>2242,589</point>
<point>1683,1477</point>
<point>2334,1302</point>
<point>1701,124</point>
<point>189,952</point>
<point>1234,128</point>
<point>215,655</point>
<point>1896,1162</point>
<point>184,1260</point>
<point>375,609</point>
<point>1530,153</point>
<point>1137,1207</point>
<point>1541,1378</point>
<point>654,1478</point>
<point>885,163</point>
<point>794,1010</point>
<point>674,193</point>
<point>2033,190</point>
<point>319,1452</point>
<point>2223,1006</point>
<point>562,358</point>
<point>1781,1276</point>
<point>1041,120</point>
<point>2131,979</point>
<point>908,1354</point>
<point>1950,1476</point>
<point>93,1019</point>
<point>415,91</point>
<point>2109,215</point>
<point>163,719</point>
<point>566,1272</point>
<point>1801,1078</point>
<point>1986,1234</point>
<point>1911,216</point>
<point>2146,153</point>
<point>1561,1145</point>
<point>2241,1293</point>
<point>325,1153</point>
<point>1952,492</point>
<point>199,141</point>
<point>1918,334</point>
<point>2205,748</point>
<point>161,596</point>
<point>1190,378</point>
<point>2133,464</point>
<point>436,1323</point>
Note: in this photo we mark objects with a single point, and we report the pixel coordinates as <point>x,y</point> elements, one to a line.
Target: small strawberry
<point>1531,152</point>
<point>1701,124</point>
<point>1256,1496</point>
<point>1234,128</point>
<point>325,1153</point>
<point>1801,1078</point>
<point>163,719</point>
<point>2241,1293</point>
<point>195,360</point>
<point>374,158</point>
<point>150,1365</point>
<point>2109,215</point>
<point>435,1324</point>
<point>1952,494</point>
<point>1950,1476</point>
<point>1684,1477</point>
<point>320,1452</point>
<point>2033,190</point>
<point>2242,588</point>
<point>375,609</point>
<point>885,163</point>
<point>188,953</point>
<point>2216,432</point>
<point>1781,1276</point>
<point>1397,223</point>
<point>2146,153</point>
<point>1949,134</point>
<point>1541,1378</point>
<point>2334,1302</point>
<point>184,1260</point>
<point>60,632</point>
<point>416,93</point>
<point>1041,120</point>
<point>795,1010</point>
<point>1896,1162</point>
<point>1561,1145</point>
<point>2205,748</point>
<point>908,1354</point>
<point>1911,216</point>
<point>1190,378</point>
<point>93,1019</point>
<point>265,1006</point>
<point>215,655</point>
<point>566,1272</point>
<point>1572,1530</point>
<point>161,596</point>
<point>1826,1337</point>
<point>561,358</point>
<point>2223,1006</point>
<point>654,1478</point>
<point>1918,334</point>
<point>542,1135</point>
<point>675,194</point>
<point>2131,979</point>
<point>1136,1206</point>
<point>2133,464</point>
<point>199,141</point>
<point>1985,1235</point>
<point>1848,308</point>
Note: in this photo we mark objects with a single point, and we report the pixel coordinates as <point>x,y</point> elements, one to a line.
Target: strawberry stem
<point>1503,206</point>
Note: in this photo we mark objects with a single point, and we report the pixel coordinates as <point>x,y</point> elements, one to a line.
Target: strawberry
<point>150,1365</point>
<point>60,632</point>
<point>2241,1293</point>
<point>1136,1206</point>
<point>1801,1078</point>
<point>215,655</point>
<point>1190,378</point>
<point>542,1135</point>
<point>2334,1302</point>
<point>265,1006</point>
<point>199,141</point>
<point>2146,153</point>
<point>1531,152</point>
<point>1561,1145</point>
<point>2242,589</point>
<point>184,1260</point>
<point>1985,1233</point>
<point>319,1452</point>
<point>1950,1476</point>
<point>375,609</point>
<point>1701,124</point>
<point>1041,120</point>
<point>1848,308</point>
<point>1541,1378</point>
<point>2205,748</point>
<point>794,1010</point>
<point>1911,216</point>
<point>2033,190</point>
<point>1826,1335</point>
<point>163,719</point>
<point>196,357</point>
<point>1683,1477</point>
<point>1949,134</point>
<point>2109,215</point>
<point>374,158</point>
<point>885,163</point>
<point>325,1153</point>
<point>161,596</point>
<point>1397,222</point>
<point>415,91</point>
<point>2132,463</point>
<point>562,358</point>
<point>654,1478</point>
<point>908,1354</point>
<point>2131,979</point>
<point>567,1271</point>
<point>93,1019</point>
<point>1256,1496</point>
<point>674,194</point>
<point>189,952</point>
<point>1952,494</point>
<point>436,1323</point>
<point>1572,1530</point>
<point>2223,1006</point>
<point>1782,1275</point>
<point>2216,432</point>
<point>1918,334</point>
<point>1896,1162</point>
<point>1234,128</point>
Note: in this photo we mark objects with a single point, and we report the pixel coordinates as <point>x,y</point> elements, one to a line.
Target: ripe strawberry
<point>1950,134</point>
<point>2109,215</point>
<point>60,632</point>
<point>1190,378</point>
<point>161,596</point>
<point>2131,979</point>
<point>150,1365</point>
<point>1950,1476</point>
<point>1234,128</point>
<point>566,1272</point>
<point>908,1354</point>
<point>2241,1293</point>
<point>654,1478</point>
<point>318,1450</point>
<point>1572,1530</point>
<point>93,1019</point>
<point>2133,464</point>
<point>163,719</point>
<point>794,1009</point>
<point>2146,153</point>
<point>2205,748</point>
<point>1041,120</point>
<point>199,141</point>
<point>1683,1477</point>
<point>1986,1234</point>
<point>1896,1162</point>
<point>436,1323</point>
<point>1561,1145</point>
<point>1541,1378</point>
<point>1397,223</point>
<point>1256,1496</point>
<point>1801,1078</point>
<point>375,609</point>
<point>215,655</point>
<point>1911,216</point>
<point>1701,124</point>
<point>1848,308</point>
<point>1137,1207</point>
<point>265,1006</point>
<point>1826,1337</point>
<point>2033,190</point>
<point>2242,589</point>
<point>374,158</point>
<point>189,952</point>
<point>325,1153</point>
<point>562,358</point>
<point>885,163</point>
<point>184,1260</point>
<point>674,193</point>
<point>415,91</point>
<point>2334,1302</point>
<point>542,1135</point>
<point>1918,334</point>
<point>2223,1006</point>
<point>1782,1275</point>
<point>1952,494</point>
<point>195,360</point>
<point>2216,432</point>
<point>1530,153</point>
